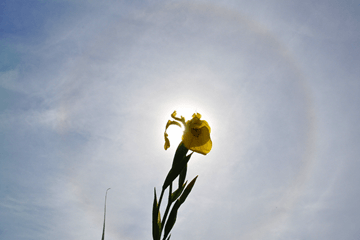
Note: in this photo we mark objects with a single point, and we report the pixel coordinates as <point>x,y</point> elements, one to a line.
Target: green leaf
<point>177,193</point>
<point>103,233</point>
<point>176,170</point>
<point>182,176</point>
<point>187,191</point>
<point>172,218</point>
<point>156,219</point>
<point>180,153</point>
<point>173,214</point>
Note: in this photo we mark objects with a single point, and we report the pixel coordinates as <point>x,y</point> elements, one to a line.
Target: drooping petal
<point>203,149</point>
<point>197,135</point>
<point>172,123</point>
<point>198,140</point>
<point>167,141</point>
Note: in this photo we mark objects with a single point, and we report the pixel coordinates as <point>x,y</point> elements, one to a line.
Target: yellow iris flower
<point>196,135</point>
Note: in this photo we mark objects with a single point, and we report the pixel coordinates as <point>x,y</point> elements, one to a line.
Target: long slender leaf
<point>103,233</point>
<point>156,219</point>
<point>180,153</point>
<point>172,218</point>
<point>177,193</point>
<point>187,191</point>
<point>182,176</point>
<point>176,170</point>
<point>173,214</point>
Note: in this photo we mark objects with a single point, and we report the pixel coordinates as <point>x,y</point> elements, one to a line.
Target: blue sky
<point>86,88</point>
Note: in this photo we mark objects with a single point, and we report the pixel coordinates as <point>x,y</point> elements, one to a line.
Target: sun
<point>175,132</point>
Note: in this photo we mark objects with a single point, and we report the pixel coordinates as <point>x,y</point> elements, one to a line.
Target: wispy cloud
<point>96,89</point>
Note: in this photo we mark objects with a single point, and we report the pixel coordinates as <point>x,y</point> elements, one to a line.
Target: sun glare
<point>175,133</point>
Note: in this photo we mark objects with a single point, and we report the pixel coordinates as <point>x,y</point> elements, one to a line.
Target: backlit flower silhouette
<point>196,137</point>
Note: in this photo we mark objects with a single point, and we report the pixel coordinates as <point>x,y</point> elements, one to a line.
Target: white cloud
<point>107,82</point>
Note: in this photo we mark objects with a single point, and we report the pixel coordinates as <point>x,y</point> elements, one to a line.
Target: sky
<point>86,89</point>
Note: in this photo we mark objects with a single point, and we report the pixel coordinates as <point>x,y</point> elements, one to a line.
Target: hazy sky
<point>86,88</point>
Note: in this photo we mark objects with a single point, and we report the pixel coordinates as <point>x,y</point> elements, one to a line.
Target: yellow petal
<point>203,149</point>
<point>197,135</point>
<point>171,123</point>
<point>167,142</point>
<point>196,115</point>
<point>181,119</point>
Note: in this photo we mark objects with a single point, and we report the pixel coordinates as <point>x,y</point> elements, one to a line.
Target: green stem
<point>167,208</point>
